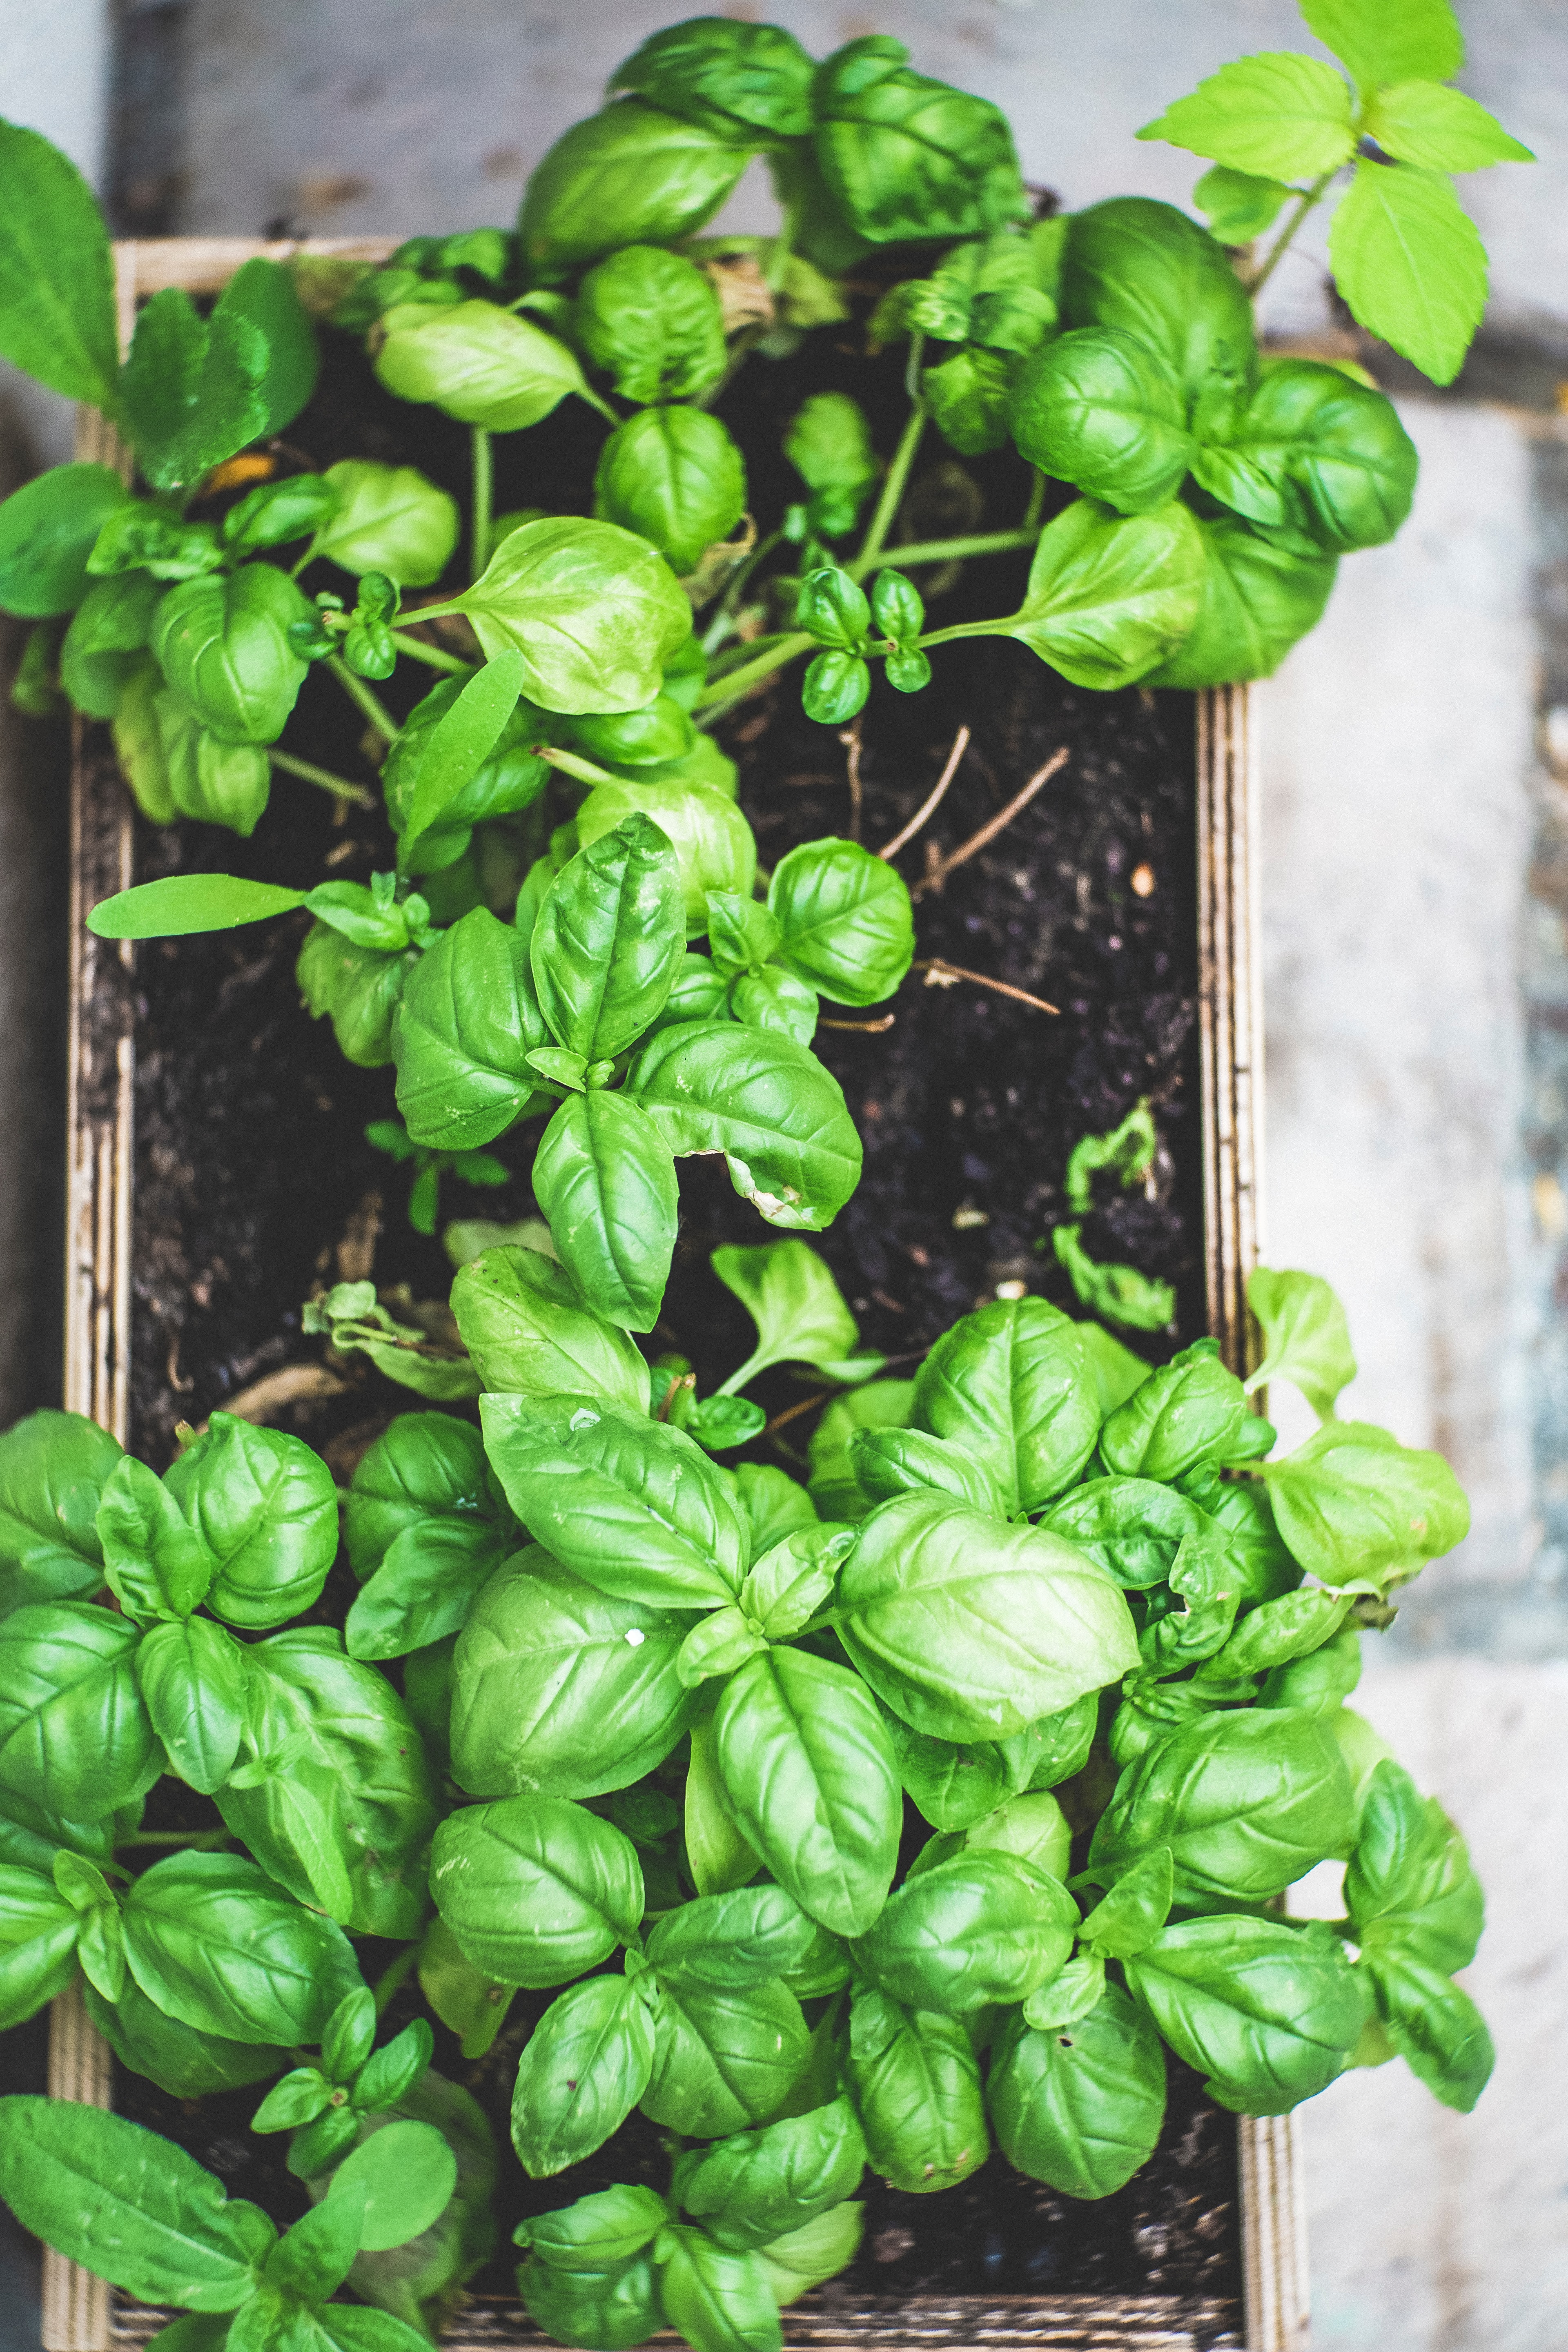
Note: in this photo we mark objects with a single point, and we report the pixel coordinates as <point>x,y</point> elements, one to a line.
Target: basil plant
<point>878,1820</point>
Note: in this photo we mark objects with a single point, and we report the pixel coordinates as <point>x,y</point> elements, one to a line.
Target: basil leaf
<point>457,747</point>
<point>39,1934</point>
<point>425,1588</point>
<point>466,2000</point>
<point>771,998</point>
<point>631,175</point>
<point>424,1465</point>
<point>1408,259</point>
<point>718,2299</point>
<point>609,939</point>
<point>712,842</point>
<point>180,2060</point>
<point>674,476</point>
<point>297,2100</point>
<point>778,1117</point>
<point>583,2070</point>
<point>1147,268</point>
<point>1352,1502</point>
<point>1110,596</point>
<point>1320,1683</point>
<point>794,1578</point>
<point>1306,1339</point>
<point>387,519</point>
<point>1278,114</point>
<point>881,1404</point>
<point>74,1735</point>
<point>468,1021</point>
<point>1258,599</point>
<point>531,1333</point>
<point>828,442</point>
<point>534,1889</point>
<point>811,2255</point>
<point>1132,1528</point>
<point>1052,1749</point>
<point>738,80</point>
<point>223,644</point>
<point>603,2311</point>
<point>476,361</point>
<point>727,1941</point>
<point>891,1462</point>
<point>154,1561</point>
<point>265,1508</point>
<point>719,1856</point>
<point>136,2208</point>
<point>969,1629</point>
<point>952,1786</point>
<point>1099,408</point>
<point>1247,1803</point>
<point>48,530</point>
<point>1008,1385</point>
<point>1269,2013</point>
<point>1320,459</point>
<point>725,2056</point>
<point>982,1928</point>
<point>652,321</point>
<point>404,2175</point>
<point>349,2035</point>
<point>507,779</point>
<point>793,1299</point>
<point>360,987</point>
<point>1290,1627</point>
<point>215,1944</point>
<point>1030,1827</point>
<point>1081,2107</point>
<point>53,1469</point>
<point>101,651</point>
<point>807,1772</point>
<point>1238,206</point>
<point>1434,2025</point>
<point>1135,1911</point>
<point>315,2256</point>
<point>635,1508</point>
<point>57,273</point>
<point>915,2080</point>
<point>905,157</point>
<point>1410,1887</point>
<point>595,611</point>
<point>844,924</point>
<point>193,1680</point>
<point>561,1688</point>
<point>763,2185</point>
<point>1069,1996</point>
<point>598,2233</point>
<point>324,1728</point>
<point>1188,1411</point>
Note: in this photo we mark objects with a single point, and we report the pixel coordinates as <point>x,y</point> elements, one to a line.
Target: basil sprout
<point>674,476</point>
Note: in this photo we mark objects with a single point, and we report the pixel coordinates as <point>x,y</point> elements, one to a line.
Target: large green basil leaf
<point>845,923</point>
<point>807,1771</point>
<point>915,2080</point>
<point>605,1177</point>
<point>718,2299</point>
<point>1080,2108</point>
<point>672,475</point>
<point>652,321</point>
<point>425,1588</point>
<point>531,1332</point>
<point>597,2233</point>
<point>725,2055</point>
<point>749,83</point>
<point>711,839</point>
<point>476,361</point>
<point>154,1561</point>
<point>1258,600</point>
<point>881,1404</point>
<point>761,2185</point>
<point>971,1629</point>
<point>631,175</point>
<point>1434,2025</point>
<point>602,2310</point>
<point>811,2255</point>
<point>595,611</point>
<point>223,644</point>
<point>213,1942</point>
<point>777,1116</point>
<point>582,2074</point>
<point>563,1689</point>
<point>1352,1502</point>
<point>423,1466</point>
<point>213,782</point>
<point>180,2060</point>
<point>75,1737</point>
<point>609,939</point>
<point>1247,1802</point>
<point>905,157</point>
<point>1008,1384</point>
<point>1149,269</point>
<point>1409,1882</point>
<point>135,2207</point>
<point>387,519</point>
<point>333,1752</point>
<point>265,1511</point>
<point>38,1934</point>
<point>1269,2013</point>
<point>952,1786</point>
<point>1101,410</point>
<point>468,1021</point>
<point>534,1889</point>
<point>726,1941</point>
<point>53,1468</point>
<point>1133,1527</point>
<point>890,1462</point>
<point>986,1926</point>
<point>635,1508</point>
<point>1188,1411</point>
<point>1245,1515</point>
<point>1316,456</point>
<point>48,531</point>
<point>360,987</point>
<point>1110,596</point>
<point>192,1678</point>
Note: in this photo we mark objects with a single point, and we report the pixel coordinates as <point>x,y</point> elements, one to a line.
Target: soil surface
<point>254,1184</point>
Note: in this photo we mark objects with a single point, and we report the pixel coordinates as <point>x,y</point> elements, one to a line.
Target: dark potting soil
<point>255,1185</point>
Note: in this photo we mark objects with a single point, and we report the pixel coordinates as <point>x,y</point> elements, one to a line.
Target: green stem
<point>947,636</point>
<point>572,764</point>
<point>392,1976</point>
<point>196,1841</point>
<point>893,485</point>
<point>753,1364</point>
<point>482,465</point>
<point>1309,196</point>
<point>1036,501</point>
<point>946,550</point>
<point>585,392</point>
<point>739,681</point>
<point>360,695</point>
<point>431,654</point>
<point>321,777</point>
<point>724,618</point>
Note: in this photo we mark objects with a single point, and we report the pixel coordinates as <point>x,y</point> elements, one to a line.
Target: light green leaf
<point>1353,1503</point>
<point>182,904</point>
<point>531,1333</point>
<point>778,1117</point>
<point>1238,206</point>
<point>460,742</point>
<point>1306,1338</point>
<point>1390,40</point>
<point>1111,596</point>
<point>1278,114</point>
<point>1410,263</point>
<point>793,1299</point>
<point>405,2174</point>
<point>609,940</point>
<point>57,273</point>
<point>535,1889</point>
<point>1442,130</point>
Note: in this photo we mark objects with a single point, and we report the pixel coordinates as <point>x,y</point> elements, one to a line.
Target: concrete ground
<point>1416,865</point>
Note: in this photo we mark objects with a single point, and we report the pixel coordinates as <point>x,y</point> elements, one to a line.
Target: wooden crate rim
<point>80,2315</point>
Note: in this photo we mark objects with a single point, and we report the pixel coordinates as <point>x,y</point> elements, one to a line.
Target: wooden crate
<point>80,2312</point>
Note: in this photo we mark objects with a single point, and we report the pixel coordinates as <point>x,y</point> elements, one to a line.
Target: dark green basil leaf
<point>468,1021</point>
<point>425,1588</point>
<point>1080,2107</point>
<point>274,513</point>
<point>1009,1386</point>
<point>1258,600</point>
<point>1188,1411</point>
<point>771,998</point>
<point>1269,2013</point>
<point>178,2057</point>
<point>534,1889</point>
<point>984,1926</point>
<point>1100,409</point>
<point>213,1942</point>
<point>193,1679</point>
<point>725,1942</point>
<point>710,838</point>
<point>1147,268</point>
<point>508,779</point>
<point>630,175</point>
<point>360,987</point>
<point>1409,1883</point>
<point>761,2185</point>
<point>844,924</point>
<point>531,1333</point>
<point>1133,1526</point>
<point>1352,1502</point>
<point>1316,456</point>
<point>778,1117</point>
<point>609,939</point>
<point>476,361</point>
<point>833,610</point>
<point>154,1561</point>
<point>744,82</point>
<point>905,157</point>
<point>602,2310</point>
<point>971,399</point>
<point>426,1464</point>
<point>39,1929</point>
<point>673,474</point>
<point>223,644</point>
<point>74,1735</point>
<point>836,686</point>
<point>265,1511</point>
<point>828,442</point>
<point>970,1629</point>
<point>53,1469</point>
<point>952,1786</point>
<point>1434,2024</point>
<point>108,631</point>
<point>48,530</point>
<point>1247,1803</point>
<point>915,2080</point>
<point>807,1771</point>
<point>651,320</point>
<point>725,2055</point>
<point>214,781</point>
